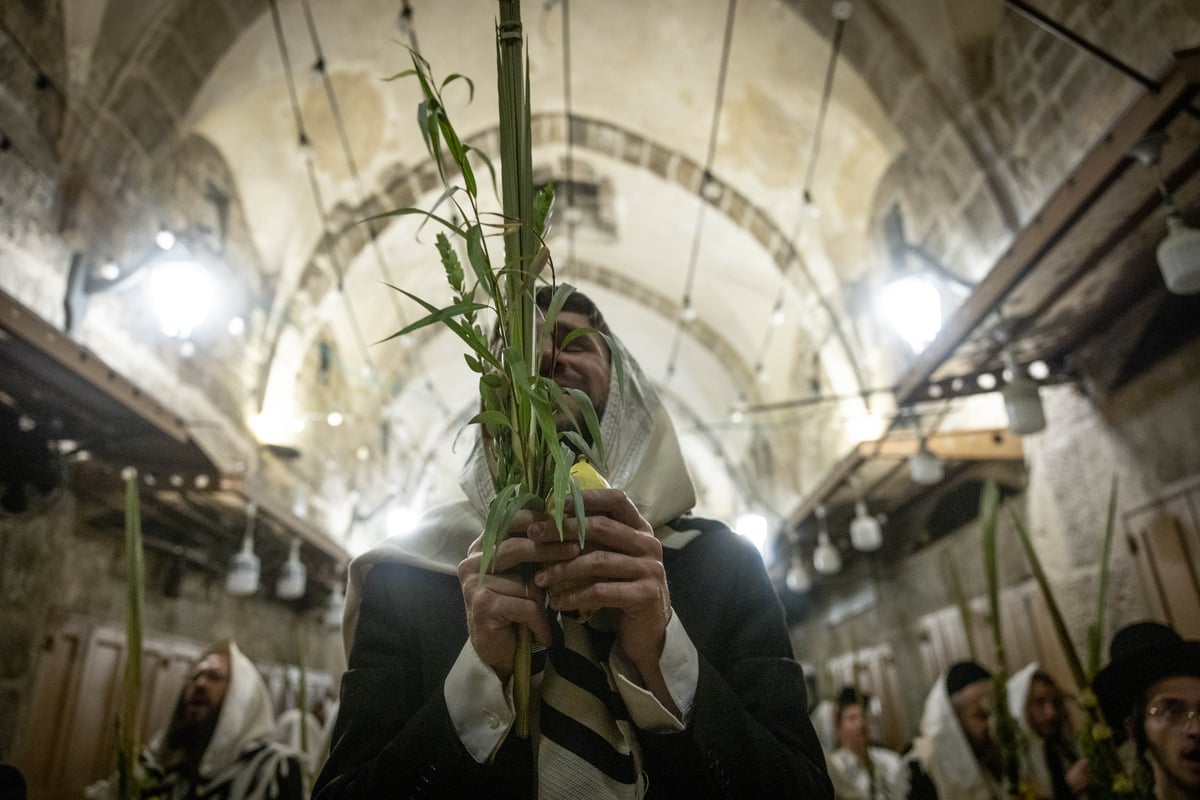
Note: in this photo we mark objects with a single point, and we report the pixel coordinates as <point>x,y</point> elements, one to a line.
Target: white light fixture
<point>110,270</point>
<point>777,315</point>
<point>335,419</point>
<point>688,312</point>
<point>866,535</point>
<point>924,467</point>
<point>826,558</point>
<point>913,307</point>
<point>164,239</point>
<point>362,453</point>
<point>236,326</point>
<point>798,578</point>
<point>335,607</point>
<point>1179,256</point>
<point>292,576</point>
<point>754,527</point>
<point>1021,400</point>
<point>181,292</point>
<point>244,567</point>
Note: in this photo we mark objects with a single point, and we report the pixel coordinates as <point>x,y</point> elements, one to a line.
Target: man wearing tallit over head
<point>682,686</point>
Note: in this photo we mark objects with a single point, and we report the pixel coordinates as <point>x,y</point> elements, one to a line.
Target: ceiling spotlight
<point>687,311</point>
<point>181,291</point>
<point>777,315</point>
<point>335,419</point>
<point>236,326</point>
<point>110,270</point>
<point>913,307</point>
<point>1179,256</point>
<point>710,188</point>
<point>924,467</point>
<point>165,239</point>
<point>362,453</point>
<point>1039,370</point>
<point>986,381</point>
<point>292,575</point>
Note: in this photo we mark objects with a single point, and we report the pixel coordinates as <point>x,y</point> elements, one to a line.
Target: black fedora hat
<point>1140,655</point>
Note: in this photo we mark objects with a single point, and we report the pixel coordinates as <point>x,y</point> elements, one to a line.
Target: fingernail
<point>540,578</point>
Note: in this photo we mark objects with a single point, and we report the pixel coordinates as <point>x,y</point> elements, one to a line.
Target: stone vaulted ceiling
<point>958,116</point>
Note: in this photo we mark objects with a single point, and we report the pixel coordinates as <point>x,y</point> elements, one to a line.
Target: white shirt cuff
<point>481,708</point>
<point>680,667</point>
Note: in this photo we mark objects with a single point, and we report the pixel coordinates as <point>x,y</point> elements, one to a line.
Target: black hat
<point>963,674</point>
<point>1140,655</point>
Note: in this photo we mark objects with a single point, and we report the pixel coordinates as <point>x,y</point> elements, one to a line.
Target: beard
<point>190,735</point>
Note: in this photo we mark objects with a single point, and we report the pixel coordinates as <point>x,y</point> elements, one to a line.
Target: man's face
<point>1044,709</point>
<point>1174,750</point>
<point>582,364</point>
<point>852,728</point>
<point>205,689</point>
<point>973,706</point>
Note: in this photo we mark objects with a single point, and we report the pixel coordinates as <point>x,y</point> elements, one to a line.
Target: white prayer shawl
<point>1033,749</point>
<point>644,459</point>
<point>945,755</point>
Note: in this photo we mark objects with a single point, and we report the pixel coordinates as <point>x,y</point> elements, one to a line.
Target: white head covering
<point>1033,753</point>
<point>945,754</point>
<point>246,715</point>
<point>643,458</point>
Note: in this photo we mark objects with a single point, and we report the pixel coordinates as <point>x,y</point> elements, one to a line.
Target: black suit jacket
<point>749,737</point>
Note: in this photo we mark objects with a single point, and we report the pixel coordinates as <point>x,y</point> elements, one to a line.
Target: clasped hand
<point>620,569</point>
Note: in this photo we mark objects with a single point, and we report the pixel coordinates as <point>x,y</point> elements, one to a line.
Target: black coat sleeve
<point>750,734</point>
<point>394,736</point>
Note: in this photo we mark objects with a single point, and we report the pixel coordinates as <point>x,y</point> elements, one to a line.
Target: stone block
<point>635,148</point>
<point>141,111</point>
<point>660,160</point>
<point>207,32</point>
<point>174,76</point>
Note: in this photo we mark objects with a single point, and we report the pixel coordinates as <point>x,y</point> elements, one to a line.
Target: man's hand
<point>1079,776</point>
<point>502,598</point>
<point>621,569</point>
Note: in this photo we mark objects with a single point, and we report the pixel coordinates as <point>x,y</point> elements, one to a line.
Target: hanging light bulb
<point>293,576</point>
<point>1179,256</point>
<point>242,580</point>
<point>924,467</point>
<point>826,558</point>
<point>1021,400</point>
<point>335,607</point>
<point>798,578</point>
<point>866,535</point>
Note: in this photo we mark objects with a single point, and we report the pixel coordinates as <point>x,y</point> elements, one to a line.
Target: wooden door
<point>1164,537</point>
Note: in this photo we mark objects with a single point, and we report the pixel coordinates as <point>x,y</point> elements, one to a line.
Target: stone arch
<point>406,184</point>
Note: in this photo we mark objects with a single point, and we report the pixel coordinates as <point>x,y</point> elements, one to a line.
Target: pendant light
<point>244,567</point>
<point>924,467</point>
<point>826,558</point>
<point>293,576</point>
<point>798,578</point>
<point>1179,256</point>
<point>335,607</point>
<point>866,535</point>
<point>1021,400</point>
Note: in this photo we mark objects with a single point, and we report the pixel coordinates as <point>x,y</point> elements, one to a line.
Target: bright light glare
<point>912,306</point>
<point>181,293</point>
<point>865,428</point>
<point>334,419</point>
<point>754,527</point>
<point>402,520</point>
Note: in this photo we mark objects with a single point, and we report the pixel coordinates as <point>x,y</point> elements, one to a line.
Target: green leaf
<point>435,314</point>
<point>411,212</point>
<point>491,418</point>
<point>584,403</point>
<point>541,208</point>
<point>454,76</point>
<point>487,162</point>
<point>477,256</point>
<point>404,74</point>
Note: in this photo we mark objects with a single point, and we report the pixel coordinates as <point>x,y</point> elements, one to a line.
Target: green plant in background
<point>529,458</point>
<point>1096,739</point>
<point>129,726</point>
<point>1005,727</point>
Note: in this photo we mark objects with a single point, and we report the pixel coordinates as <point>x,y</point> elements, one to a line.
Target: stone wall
<point>1147,433</point>
<point>53,566</point>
